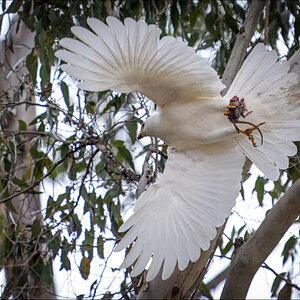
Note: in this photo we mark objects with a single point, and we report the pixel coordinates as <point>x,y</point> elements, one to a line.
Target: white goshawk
<point>177,216</point>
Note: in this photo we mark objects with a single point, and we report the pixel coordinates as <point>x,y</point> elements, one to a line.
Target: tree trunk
<point>28,269</point>
<point>250,256</point>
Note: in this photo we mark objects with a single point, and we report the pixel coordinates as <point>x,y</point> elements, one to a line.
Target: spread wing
<point>266,84</point>
<point>178,215</point>
<point>131,57</point>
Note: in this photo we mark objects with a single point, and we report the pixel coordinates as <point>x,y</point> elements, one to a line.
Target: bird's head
<point>150,127</point>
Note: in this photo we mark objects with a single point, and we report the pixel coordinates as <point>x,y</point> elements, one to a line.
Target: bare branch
<point>145,178</point>
<point>217,280</point>
<point>287,281</point>
<point>251,255</point>
<point>182,283</point>
<point>242,42</point>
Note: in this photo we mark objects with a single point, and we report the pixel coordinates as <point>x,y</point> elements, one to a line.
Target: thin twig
<point>287,281</point>
<point>266,21</point>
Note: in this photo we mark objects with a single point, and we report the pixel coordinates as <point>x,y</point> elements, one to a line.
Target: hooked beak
<point>141,135</point>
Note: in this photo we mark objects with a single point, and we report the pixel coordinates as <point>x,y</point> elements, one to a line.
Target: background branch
<point>240,46</point>
<point>251,255</point>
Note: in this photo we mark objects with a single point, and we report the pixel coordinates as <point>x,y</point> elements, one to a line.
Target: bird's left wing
<point>131,57</point>
<point>178,215</point>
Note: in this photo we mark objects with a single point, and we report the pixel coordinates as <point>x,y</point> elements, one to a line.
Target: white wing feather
<point>176,218</point>
<point>265,83</point>
<point>131,57</point>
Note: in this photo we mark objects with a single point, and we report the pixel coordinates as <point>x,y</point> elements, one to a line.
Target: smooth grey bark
<point>182,283</point>
<point>14,74</point>
<point>242,42</point>
<point>250,256</point>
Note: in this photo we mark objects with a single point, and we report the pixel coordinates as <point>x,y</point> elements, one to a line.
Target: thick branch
<point>182,283</point>
<point>242,42</point>
<point>217,280</point>
<point>251,255</point>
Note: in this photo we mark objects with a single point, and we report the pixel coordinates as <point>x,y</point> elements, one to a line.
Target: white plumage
<point>178,215</point>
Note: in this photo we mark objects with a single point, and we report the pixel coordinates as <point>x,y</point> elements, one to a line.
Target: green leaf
<point>7,165</point>
<point>45,75</point>
<point>231,22</point>
<point>50,206</point>
<point>210,22</point>
<point>174,15</point>
<point>65,262</point>
<point>193,39</point>
<point>85,267</point>
<point>35,228</point>
<point>77,227</point>
<point>259,188</point>
<point>276,284</point>
<point>131,126</point>
<point>21,183</point>
<point>55,244</point>
<point>116,212</point>
<point>65,91</point>
<point>32,66</point>
<point>100,166</point>
<point>22,125</point>
<point>36,154</point>
<point>288,247</point>
<point>126,155</point>
<point>38,118</point>
<point>227,248</point>
<point>205,291</point>
<point>241,229</point>
<point>73,170</point>
<point>46,273</point>
<point>100,244</point>
<point>118,143</point>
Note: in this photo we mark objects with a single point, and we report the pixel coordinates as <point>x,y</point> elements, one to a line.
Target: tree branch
<point>242,42</point>
<point>217,280</point>
<point>182,283</point>
<point>251,255</point>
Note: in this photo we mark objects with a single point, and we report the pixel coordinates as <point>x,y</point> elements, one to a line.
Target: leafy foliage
<point>83,152</point>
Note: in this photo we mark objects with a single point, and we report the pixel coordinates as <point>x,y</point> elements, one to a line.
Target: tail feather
<point>265,83</point>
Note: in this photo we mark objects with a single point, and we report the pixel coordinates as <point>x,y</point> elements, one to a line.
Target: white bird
<point>177,216</point>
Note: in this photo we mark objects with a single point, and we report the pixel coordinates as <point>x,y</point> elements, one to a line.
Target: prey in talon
<point>237,109</point>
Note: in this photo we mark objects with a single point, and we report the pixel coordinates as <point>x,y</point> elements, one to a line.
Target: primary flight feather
<point>177,216</point>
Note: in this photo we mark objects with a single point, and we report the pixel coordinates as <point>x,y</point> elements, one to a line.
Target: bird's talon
<point>237,109</point>
<point>248,132</point>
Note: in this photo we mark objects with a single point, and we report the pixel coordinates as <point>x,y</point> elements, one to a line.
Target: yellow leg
<point>248,132</point>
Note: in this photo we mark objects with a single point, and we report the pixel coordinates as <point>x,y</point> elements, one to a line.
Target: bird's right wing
<point>178,215</point>
<point>130,57</point>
